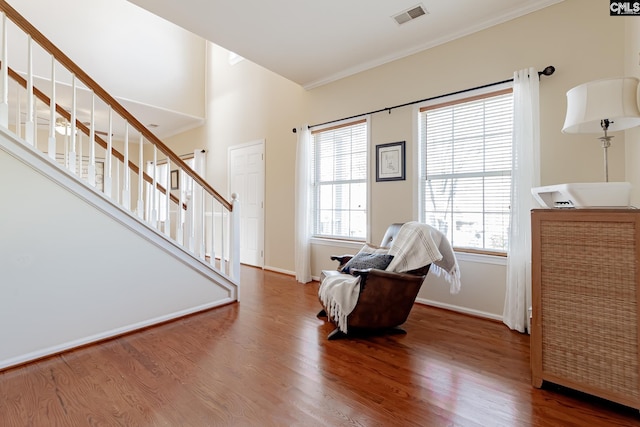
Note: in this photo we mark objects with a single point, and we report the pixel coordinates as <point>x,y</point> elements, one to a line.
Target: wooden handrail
<point>63,59</point>
<point>84,129</point>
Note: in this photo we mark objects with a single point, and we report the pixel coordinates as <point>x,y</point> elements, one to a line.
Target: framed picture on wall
<point>175,179</point>
<point>390,161</point>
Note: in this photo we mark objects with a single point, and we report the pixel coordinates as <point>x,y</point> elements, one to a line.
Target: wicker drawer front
<point>589,305</point>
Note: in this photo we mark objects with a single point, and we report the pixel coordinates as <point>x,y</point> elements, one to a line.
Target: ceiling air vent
<point>410,14</point>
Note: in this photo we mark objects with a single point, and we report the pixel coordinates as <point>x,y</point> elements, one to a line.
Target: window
<point>339,170</point>
<point>466,169</point>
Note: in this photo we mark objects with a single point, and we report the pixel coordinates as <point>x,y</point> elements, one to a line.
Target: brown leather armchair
<point>385,299</point>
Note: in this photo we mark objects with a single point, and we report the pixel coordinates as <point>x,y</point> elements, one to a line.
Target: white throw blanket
<point>339,295</point>
<point>415,246</point>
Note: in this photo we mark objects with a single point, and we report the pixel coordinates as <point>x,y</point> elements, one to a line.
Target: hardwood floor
<point>266,362</point>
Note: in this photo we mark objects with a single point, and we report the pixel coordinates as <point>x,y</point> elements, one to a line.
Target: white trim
<point>481,258</point>
<point>260,141</point>
<point>466,94</point>
<point>155,107</point>
<point>417,153</point>
<point>340,122</point>
<point>279,270</point>
<point>458,309</point>
<point>198,122</point>
<point>528,8</point>
<point>234,58</point>
<point>421,175</point>
<point>370,174</point>
<point>461,256</point>
<point>337,243</point>
<point>368,179</point>
<point>56,349</point>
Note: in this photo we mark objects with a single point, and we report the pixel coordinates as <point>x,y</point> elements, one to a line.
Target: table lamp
<point>606,105</point>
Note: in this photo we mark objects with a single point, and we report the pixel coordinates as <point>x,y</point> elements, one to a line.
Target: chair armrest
<point>373,273</point>
<point>361,272</point>
<point>383,273</point>
<point>342,259</point>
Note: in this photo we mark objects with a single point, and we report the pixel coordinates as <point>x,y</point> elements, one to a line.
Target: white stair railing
<point>72,104</point>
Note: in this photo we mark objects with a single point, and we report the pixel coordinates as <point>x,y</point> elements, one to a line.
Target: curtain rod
<point>546,72</point>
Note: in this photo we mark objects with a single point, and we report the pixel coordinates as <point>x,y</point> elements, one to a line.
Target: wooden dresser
<point>584,332</point>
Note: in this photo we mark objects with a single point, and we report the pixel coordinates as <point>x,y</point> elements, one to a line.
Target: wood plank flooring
<point>266,362</point>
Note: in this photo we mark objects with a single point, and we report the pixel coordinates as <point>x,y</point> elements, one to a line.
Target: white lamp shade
<point>613,99</point>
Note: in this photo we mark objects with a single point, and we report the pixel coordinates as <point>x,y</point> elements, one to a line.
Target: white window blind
<point>340,181</point>
<point>466,169</point>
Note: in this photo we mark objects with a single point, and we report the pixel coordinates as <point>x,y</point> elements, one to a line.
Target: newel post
<point>234,255</point>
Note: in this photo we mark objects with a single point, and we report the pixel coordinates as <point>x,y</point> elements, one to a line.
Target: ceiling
<point>125,49</point>
<point>308,42</point>
<point>315,42</point>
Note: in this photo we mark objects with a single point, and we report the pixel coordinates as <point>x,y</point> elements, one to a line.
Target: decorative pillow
<point>364,260</point>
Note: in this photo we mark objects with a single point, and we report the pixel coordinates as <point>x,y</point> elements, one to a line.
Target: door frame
<point>261,234</point>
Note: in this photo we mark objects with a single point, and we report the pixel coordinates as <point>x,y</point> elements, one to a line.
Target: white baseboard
<point>102,336</point>
<point>459,309</point>
<point>280,270</point>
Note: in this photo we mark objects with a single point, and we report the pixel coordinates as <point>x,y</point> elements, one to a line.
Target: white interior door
<point>246,178</point>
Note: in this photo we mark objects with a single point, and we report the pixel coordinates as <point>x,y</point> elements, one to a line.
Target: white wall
<point>76,269</point>
<point>578,37</point>
<point>566,36</point>
<point>132,53</point>
<point>246,102</point>
<point>632,136</point>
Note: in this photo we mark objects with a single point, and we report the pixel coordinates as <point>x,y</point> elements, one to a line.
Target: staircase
<point>97,237</point>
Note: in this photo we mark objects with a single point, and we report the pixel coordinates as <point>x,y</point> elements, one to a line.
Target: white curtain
<point>303,206</point>
<point>525,175</point>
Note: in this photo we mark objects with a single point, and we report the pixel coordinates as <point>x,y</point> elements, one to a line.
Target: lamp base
<point>606,143</point>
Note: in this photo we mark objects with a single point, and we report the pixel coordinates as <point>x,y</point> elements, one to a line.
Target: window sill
<point>348,244</point>
<point>481,257</point>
